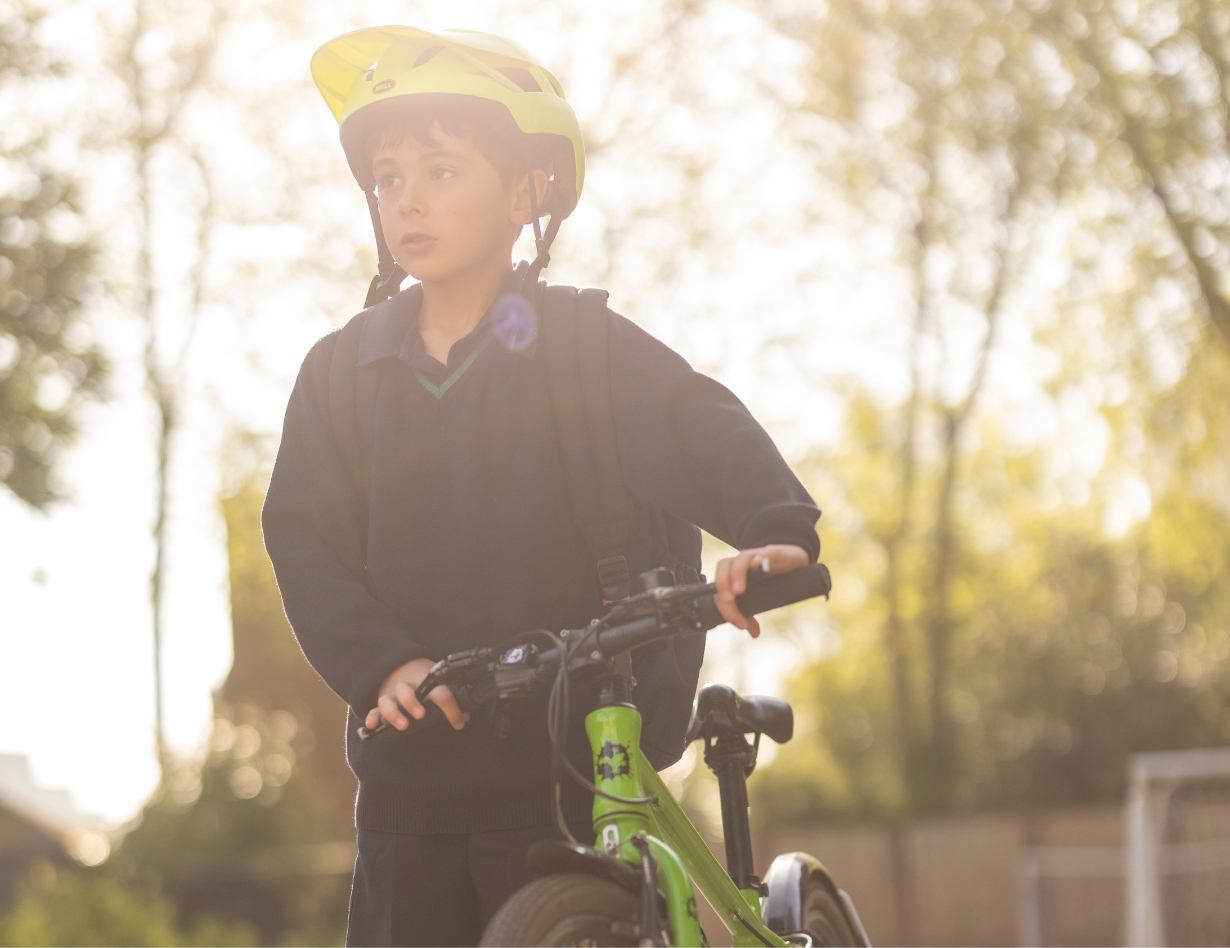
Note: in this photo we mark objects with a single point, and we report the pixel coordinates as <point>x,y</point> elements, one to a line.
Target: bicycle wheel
<point>824,920</point>
<point>566,909</point>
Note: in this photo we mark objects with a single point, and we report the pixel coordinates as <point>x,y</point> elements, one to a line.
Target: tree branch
<point>1135,135</point>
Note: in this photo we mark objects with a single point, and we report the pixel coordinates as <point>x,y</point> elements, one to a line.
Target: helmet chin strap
<point>542,245</point>
<point>388,280</point>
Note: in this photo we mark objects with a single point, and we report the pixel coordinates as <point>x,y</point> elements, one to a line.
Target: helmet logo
<point>383,86</point>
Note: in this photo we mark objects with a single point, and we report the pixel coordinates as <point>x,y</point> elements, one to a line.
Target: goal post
<point>1177,823</point>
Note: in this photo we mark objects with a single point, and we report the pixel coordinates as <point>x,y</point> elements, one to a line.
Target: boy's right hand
<point>399,688</point>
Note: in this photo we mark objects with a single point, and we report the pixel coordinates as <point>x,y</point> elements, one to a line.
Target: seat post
<point>731,758</point>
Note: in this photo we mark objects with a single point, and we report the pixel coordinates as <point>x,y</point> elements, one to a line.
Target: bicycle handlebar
<point>662,612</point>
<point>773,592</point>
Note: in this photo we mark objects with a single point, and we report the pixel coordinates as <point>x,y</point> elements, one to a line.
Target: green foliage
<point>73,907</point>
<point>238,838</point>
<point>48,362</point>
<point>259,832</point>
<point>251,844</point>
<point>1071,650</point>
<point>1018,613</point>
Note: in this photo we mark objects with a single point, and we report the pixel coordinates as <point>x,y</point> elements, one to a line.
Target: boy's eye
<point>440,173</point>
<point>386,181</point>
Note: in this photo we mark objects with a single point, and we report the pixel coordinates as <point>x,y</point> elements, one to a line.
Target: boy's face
<point>444,209</point>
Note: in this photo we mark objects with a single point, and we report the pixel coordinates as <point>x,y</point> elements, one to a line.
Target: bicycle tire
<point>566,909</point>
<point>824,920</point>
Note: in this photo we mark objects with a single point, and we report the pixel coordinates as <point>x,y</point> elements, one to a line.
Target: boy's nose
<point>412,197</point>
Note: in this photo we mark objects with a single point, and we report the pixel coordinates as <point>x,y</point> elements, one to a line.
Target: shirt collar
<point>391,329</point>
<point>388,324</point>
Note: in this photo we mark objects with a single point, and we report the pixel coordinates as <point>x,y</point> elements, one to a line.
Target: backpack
<point>572,331</point>
<point>572,336</point>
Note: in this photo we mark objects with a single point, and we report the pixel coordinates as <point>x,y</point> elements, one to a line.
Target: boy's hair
<point>487,124</point>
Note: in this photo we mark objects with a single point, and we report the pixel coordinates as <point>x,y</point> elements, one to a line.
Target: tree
<point>260,832</point>
<point>943,124</point>
<point>985,138</point>
<point>175,108</point>
<point>49,363</point>
<point>1074,649</point>
<point>1157,75</point>
<point>159,87</point>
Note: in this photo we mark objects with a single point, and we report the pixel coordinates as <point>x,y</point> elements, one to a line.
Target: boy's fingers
<point>404,691</point>
<point>721,579</point>
<point>725,579</point>
<point>731,581</point>
<point>443,698</point>
<point>738,572</point>
<point>725,597</point>
<point>782,558</point>
<point>391,713</point>
<point>730,578</point>
<point>730,612</point>
<point>372,720</point>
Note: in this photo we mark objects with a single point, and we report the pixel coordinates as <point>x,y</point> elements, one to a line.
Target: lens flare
<point>514,322</point>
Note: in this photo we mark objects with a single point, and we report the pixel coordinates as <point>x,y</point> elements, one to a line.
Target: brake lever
<point>659,600</point>
<point>453,671</point>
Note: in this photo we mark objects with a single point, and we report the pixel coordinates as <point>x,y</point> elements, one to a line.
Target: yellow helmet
<point>367,75</point>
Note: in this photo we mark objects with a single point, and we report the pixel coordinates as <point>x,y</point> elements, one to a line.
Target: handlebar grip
<point>773,592</point>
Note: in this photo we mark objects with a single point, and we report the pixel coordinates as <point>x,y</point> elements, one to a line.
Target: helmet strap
<point>388,280</point>
<point>542,243</point>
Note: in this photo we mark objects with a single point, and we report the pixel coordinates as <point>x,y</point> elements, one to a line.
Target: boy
<point>419,503</point>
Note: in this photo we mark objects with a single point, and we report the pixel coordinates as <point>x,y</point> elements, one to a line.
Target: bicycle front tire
<point>824,920</point>
<point>566,909</point>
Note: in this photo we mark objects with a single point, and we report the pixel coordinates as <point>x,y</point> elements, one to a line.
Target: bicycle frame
<point>683,857</point>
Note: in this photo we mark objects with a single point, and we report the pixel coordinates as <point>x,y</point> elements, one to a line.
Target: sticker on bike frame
<point>614,760</point>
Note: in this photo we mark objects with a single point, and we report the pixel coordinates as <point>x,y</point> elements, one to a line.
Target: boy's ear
<point>521,211</point>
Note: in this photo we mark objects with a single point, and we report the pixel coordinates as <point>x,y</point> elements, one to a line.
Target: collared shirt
<point>388,335</point>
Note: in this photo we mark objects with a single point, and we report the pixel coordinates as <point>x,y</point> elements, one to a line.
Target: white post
<point>1028,905</point>
<point>1143,816</point>
<point>1135,837</point>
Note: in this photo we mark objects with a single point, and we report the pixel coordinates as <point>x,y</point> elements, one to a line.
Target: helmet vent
<point>426,56</point>
<point>522,78</point>
<point>370,74</point>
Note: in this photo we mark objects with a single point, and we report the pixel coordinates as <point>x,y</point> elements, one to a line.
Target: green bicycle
<point>635,887</point>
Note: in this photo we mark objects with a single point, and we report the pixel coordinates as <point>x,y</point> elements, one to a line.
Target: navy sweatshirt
<point>446,525</point>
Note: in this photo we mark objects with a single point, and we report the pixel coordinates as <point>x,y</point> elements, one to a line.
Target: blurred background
<point>966,260</point>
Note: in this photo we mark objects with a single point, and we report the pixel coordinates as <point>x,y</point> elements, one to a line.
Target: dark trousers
<point>438,890</point>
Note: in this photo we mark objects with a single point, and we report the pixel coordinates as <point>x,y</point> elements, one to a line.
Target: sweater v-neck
<point>439,390</point>
<point>436,376</point>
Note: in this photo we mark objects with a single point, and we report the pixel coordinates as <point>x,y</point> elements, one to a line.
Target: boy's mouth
<point>417,242</point>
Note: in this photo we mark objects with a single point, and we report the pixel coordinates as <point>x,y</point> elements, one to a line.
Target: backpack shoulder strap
<point>574,338</point>
<point>354,379</point>
<point>342,404</point>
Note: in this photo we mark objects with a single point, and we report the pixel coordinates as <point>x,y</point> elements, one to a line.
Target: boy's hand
<point>731,578</point>
<point>399,688</point>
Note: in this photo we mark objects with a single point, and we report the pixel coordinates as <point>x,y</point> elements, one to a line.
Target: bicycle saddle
<point>720,707</point>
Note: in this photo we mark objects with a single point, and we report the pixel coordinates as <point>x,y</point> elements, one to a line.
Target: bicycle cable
<point>558,707</point>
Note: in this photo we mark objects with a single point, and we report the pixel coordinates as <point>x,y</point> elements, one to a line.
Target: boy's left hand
<point>731,578</point>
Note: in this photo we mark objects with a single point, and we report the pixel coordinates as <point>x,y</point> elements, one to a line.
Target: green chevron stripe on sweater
<point>439,390</point>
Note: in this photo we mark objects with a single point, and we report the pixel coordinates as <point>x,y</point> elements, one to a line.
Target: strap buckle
<point>613,577</point>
